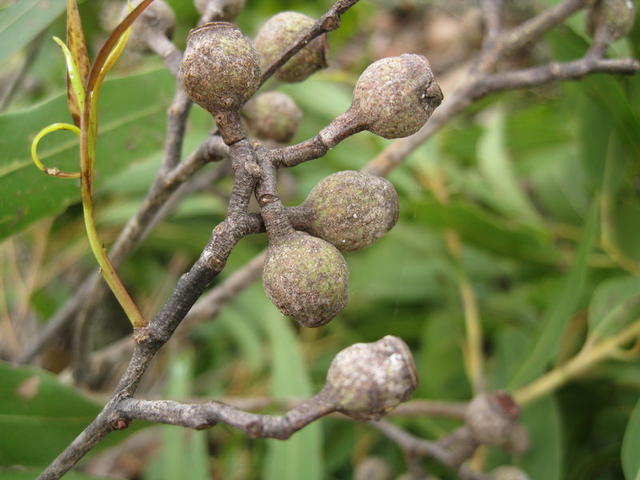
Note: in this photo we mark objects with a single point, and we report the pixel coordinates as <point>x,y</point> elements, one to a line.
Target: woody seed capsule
<point>350,209</point>
<point>278,34</point>
<point>395,96</point>
<point>272,116</point>
<point>367,380</point>
<point>220,68</point>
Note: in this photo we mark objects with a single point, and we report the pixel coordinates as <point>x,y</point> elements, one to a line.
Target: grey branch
<point>425,448</point>
<point>205,415</point>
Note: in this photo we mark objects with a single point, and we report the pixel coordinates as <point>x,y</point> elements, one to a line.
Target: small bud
<point>351,209</point>
<point>220,68</point>
<point>278,34</point>
<point>508,472</point>
<point>306,278</point>
<point>225,9</point>
<point>395,96</point>
<point>367,380</point>
<point>158,16</point>
<point>614,18</point>
<point>491,417</point>
<point>272,116</point>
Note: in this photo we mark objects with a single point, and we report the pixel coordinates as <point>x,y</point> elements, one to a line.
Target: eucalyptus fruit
<point>304,276</point>
<point>349,209</point>
<point>367,380</point>
<point>396,95</point>
<point>220,69</point>
<point>611,19</point>
<point>492,417</point>
<point>278,34</point>
<point>272,116</point>
<point>393,98</point>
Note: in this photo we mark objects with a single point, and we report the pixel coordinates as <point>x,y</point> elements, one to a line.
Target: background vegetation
<point>542,188</point>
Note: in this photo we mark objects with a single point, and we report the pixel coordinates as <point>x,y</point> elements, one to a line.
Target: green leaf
<point>301,455</point>
<point>496,168</point>
<point>615,303</point>
<point>631,446</point>
<point>544,459</point>
<point>23,21</point>
<point>132,127</point>
<point>560,309</point>
<point>476,227</point>
<point>33,402</point>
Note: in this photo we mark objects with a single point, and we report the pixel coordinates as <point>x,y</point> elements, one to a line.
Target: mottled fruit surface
<point>368,380</point>
<point>306,278</point>
<point>395,96</point>
<point>220,68</point>
<point>272,116</point>
<point>491,417</point>
<point>351,209</point>
<point>616,17</point>
<point>278,34</point>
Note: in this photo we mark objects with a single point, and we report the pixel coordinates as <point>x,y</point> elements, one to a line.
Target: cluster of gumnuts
<point>305,274</point>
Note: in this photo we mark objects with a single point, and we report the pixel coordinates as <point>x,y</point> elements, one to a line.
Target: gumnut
<point>508,472</point>
<point>613,18</point>
<point>225,9</point>
<point>272,116</point>
<point>157,17</point>
<point>491,417</point>
<point>367,380</point>
<point>220,69</point>
<point>395,96</point>
<point>350,209</point>
<point>306,278</point>
<point>278,34</point>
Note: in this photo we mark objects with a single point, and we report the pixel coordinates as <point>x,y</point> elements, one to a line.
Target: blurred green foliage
<point>544,194</point>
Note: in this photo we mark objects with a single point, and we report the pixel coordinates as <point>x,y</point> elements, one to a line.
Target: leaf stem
<point>588,356</point>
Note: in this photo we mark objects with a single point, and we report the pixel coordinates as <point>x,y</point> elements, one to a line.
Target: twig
<point>205,415</point>
<point>425,448</point>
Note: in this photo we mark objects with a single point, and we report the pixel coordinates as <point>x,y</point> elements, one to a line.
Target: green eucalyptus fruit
<point>278,34</point>
<point>349,209</point>
<point>272,116</point>
<point>306,278</point>
<point>220,68</point>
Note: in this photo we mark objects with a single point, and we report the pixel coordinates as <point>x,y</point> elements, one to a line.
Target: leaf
<point>132,128</point>
<point>615,303</point>
<point>476,227</point>
<point>631,446</point>
<point>560,309</point>
<point>23,21</point>
<point>78,49</point>
<point>497,170</point>
<point>33,402</point>
<point>544,459</point>
<point>301,455</point>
